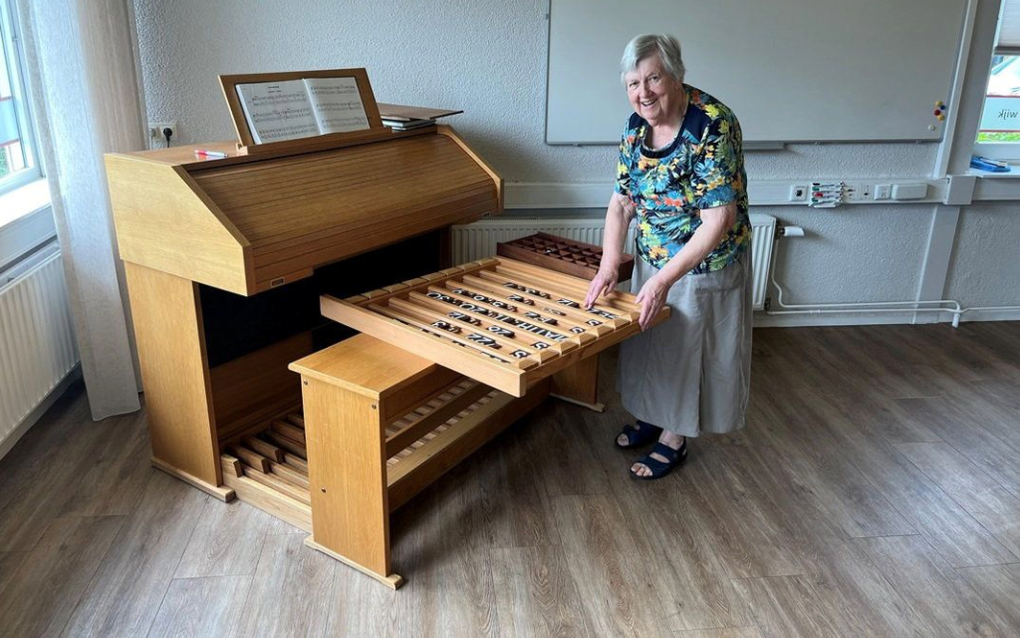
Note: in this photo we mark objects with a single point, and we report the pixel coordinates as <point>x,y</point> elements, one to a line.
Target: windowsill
<point>26,221</point>
<point>23,201</point>
<point>1012,174</point>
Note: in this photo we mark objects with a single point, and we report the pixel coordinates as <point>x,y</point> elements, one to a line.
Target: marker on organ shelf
<point>200,152</point>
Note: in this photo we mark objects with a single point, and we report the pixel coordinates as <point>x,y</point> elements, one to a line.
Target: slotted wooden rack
<point>500,321</point>
<point>562,255</point>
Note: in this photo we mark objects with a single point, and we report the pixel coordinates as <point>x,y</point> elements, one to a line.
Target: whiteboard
<point>791,70</point>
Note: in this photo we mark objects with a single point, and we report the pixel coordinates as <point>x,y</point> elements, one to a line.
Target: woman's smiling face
<point>653,93</point>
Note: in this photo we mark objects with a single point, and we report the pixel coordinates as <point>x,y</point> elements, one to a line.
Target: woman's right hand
<point>603,283</point>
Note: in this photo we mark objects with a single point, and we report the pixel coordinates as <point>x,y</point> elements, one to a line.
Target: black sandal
<point>658,468</point>
<point>638,436</point>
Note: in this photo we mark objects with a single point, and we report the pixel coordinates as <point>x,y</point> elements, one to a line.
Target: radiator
<point>478,240</point>
<point>37,347</point>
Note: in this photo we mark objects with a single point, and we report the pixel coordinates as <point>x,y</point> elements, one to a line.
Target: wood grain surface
<point>871,496</point>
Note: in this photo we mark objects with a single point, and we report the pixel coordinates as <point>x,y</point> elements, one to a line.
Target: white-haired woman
<point>681,172</point>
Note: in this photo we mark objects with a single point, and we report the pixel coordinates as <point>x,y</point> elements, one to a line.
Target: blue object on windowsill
<point>990,165</point>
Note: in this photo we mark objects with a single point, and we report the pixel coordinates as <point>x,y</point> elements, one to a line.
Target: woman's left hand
<point>652,297</point>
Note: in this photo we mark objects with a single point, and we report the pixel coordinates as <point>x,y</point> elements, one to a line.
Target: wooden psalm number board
<point>502,322</point>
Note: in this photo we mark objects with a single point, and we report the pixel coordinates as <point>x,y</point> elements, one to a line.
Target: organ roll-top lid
<point>249,223</point>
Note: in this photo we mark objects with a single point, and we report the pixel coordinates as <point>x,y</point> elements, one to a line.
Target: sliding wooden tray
<point>502,322</point>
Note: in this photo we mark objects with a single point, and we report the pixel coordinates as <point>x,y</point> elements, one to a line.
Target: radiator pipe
<point>860,307</point>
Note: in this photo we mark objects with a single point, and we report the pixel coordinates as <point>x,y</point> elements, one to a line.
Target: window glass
<point>1000,118</point>
<point>16,162</point>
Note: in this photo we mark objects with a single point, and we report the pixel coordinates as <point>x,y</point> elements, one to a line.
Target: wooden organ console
<point>245,270</point>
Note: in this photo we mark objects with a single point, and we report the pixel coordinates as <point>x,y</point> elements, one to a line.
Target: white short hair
<point>666,47</point>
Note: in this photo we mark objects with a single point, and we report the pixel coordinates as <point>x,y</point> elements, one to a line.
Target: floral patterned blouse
<point>702,168</point>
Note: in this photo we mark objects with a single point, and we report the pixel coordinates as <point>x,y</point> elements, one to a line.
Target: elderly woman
<point>681,172</point>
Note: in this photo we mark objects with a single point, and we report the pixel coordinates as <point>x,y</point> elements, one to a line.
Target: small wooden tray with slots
<point>500,321</point>
<point>562,255</point>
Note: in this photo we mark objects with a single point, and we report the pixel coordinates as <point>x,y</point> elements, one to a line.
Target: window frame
<point>15,54</point>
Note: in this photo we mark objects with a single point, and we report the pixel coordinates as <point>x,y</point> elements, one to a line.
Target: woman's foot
<point>637,435</point>
<point>661,461</point>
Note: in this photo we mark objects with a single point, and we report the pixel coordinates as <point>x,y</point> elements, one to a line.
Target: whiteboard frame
<point>920,126</point>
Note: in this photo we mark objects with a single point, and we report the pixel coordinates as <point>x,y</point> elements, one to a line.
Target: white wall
<point>489,58</point>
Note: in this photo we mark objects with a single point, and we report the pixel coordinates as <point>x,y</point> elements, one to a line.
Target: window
<point>999,131</point>
<point>17,159</point>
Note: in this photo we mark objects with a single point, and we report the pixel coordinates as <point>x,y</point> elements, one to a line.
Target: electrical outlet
<point>882,191</point>
<point>156,138</point>
<point>799,193</point>
<point>857,192</point>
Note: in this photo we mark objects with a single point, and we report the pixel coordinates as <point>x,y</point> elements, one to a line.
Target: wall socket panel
<point>857,192</point>
<point>156,139</point>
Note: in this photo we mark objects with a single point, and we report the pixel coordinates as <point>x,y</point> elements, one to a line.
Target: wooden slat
<point>430,316</point>
<point>527,337</point>
<point>418,393</point>
<point>568,315</point>
<point>433,459</point>
<point>290,474</point>
<point>297,420</point>
<point>251,458</point>
<point>432,347</point>
<point>619,303</point>
<point>581,338</point>
<point>418,284</point>
<point>286,445</point>
<point>296,461</point>
<point>429,346</point>
<point>292,432</point>
<point>231,465</point>
<point>433,419</point>
<point>267,499</point>
<point>278,484</point>
<point>496,280</point>
<point>497,355</point>
<point>267,450</point>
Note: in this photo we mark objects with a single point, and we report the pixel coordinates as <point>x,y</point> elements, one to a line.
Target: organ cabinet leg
<point>167,317</point>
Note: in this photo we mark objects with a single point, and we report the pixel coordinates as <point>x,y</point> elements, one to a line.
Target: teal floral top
<point>702,168</point>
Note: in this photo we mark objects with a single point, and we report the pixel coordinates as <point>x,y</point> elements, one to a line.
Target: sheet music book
<point>292,109</point>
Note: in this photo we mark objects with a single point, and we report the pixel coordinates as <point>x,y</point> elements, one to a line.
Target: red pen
<point>199,152</point>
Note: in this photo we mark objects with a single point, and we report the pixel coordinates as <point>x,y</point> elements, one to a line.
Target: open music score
<point>293,109</point>
<point>302,110</point>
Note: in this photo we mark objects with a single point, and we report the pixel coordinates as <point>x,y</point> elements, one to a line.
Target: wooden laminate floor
<point>876,492</point>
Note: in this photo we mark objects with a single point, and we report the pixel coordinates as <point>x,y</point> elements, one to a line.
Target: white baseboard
<point>19,431</point>
<point>991,315</point>
<point>764,320</point>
